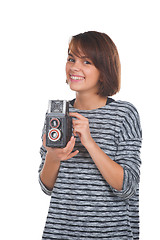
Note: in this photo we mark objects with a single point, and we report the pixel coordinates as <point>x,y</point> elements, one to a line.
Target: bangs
<point>82,48</point>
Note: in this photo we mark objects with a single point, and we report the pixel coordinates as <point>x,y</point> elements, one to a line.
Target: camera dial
<point>54,134</point>
<point>54,123</point>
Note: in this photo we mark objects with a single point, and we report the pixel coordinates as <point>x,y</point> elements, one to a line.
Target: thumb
<point>44,140</point>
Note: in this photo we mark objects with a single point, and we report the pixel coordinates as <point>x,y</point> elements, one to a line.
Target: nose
<point>76,66</point>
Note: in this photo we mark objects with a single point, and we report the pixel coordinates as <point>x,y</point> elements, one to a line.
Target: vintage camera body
<point>58,124</point>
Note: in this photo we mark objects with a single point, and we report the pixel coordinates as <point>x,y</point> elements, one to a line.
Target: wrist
<point>90,144</point>
<point>51,158</point>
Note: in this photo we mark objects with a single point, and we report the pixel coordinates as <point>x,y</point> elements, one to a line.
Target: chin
<point>74,88</point>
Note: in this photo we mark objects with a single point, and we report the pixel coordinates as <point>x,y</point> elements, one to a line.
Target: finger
<point>44,140</point>
<point>78,129</point>
<point>75,122</point>
<point>70,145</point>
<point>72,154</point>
<point>74,133</point>
<point>77,115</point>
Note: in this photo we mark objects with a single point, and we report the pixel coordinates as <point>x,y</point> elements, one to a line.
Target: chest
<point>104,131</point>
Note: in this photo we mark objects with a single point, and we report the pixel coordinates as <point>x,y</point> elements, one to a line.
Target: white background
<point>33,51</point>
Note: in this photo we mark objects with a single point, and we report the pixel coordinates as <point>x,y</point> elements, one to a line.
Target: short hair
<point>102,51</point>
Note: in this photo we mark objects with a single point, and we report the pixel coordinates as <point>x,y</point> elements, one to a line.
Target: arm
<point>123,173</point>
<point>110,170</point>
<point>49,172</point>
<point>54,156</point>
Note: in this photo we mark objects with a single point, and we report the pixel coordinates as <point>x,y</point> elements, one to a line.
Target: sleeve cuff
<point>43,187</point>
<point>127,190</point>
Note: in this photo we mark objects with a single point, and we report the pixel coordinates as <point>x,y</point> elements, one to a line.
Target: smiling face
<point>81,73</point>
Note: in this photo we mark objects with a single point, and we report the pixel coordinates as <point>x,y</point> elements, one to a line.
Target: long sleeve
<point>82,193</point>
<point>43,152</point>
<point>128,152</point>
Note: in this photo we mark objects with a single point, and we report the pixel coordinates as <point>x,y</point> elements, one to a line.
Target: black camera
<point>58,124</point>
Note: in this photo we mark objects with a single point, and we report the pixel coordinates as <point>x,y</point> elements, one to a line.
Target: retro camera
<point>58,124</point>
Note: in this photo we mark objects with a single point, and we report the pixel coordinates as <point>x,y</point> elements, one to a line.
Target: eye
<point>70,60</point>
<point>87,62</point>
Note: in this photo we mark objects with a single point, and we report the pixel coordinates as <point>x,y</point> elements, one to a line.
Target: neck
<point>89,102</point>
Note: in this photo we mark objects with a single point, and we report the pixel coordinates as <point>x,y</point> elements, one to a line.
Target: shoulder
<point>126,116</point>
<point>130,119</point>
<point>124,106</point>
<point>124,109</point>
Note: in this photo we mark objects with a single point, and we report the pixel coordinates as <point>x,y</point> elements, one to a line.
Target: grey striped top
<point>83,205</point>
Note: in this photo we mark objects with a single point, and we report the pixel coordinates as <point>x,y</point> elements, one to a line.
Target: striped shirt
<point>83,205</point>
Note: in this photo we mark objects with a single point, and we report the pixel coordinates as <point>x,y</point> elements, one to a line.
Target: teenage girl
<point>94,180</point>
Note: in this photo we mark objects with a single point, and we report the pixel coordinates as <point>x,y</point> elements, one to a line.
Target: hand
<point>81,127</point>
<point>61,154</point>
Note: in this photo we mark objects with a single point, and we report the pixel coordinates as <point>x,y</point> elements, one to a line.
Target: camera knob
<point>54,134</point>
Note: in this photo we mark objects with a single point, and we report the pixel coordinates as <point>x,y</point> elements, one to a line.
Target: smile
<point>76,78</point>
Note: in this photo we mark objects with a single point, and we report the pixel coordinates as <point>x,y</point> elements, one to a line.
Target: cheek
<point>97,75</point>
<point>66,68</point>
<point>94,75</point>
<point>94,71</point>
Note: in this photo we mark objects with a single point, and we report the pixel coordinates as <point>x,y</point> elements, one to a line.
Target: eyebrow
<point>83,57</point>
<point>69,54</point>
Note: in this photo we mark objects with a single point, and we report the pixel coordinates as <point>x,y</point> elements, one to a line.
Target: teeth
<point>76,78</point>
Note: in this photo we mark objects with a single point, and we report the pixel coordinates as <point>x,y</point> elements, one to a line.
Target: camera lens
<point>54,123</point>
<point>54,134</point>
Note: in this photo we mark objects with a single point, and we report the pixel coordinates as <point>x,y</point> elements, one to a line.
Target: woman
<point>94,180</point>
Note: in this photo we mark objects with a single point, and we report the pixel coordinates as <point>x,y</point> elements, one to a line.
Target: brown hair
<point>103,53</point>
